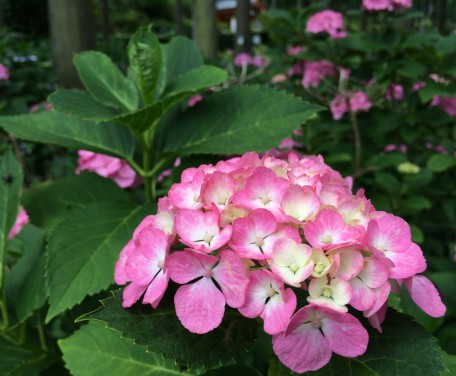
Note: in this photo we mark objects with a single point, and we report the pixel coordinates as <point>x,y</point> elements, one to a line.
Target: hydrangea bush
<point>249,231</point>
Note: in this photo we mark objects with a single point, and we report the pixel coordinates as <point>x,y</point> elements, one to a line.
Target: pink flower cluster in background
<point>352,101</point>
<point>108,167</point>
<point>395,92</point>
<point>250,232</point>
<point>4,73</point>
<point>329,22</point>
<point>315,71</point>
<point>448,104</point>
<point>244,59</point>
<point>376,5</point>
<point>21,221</point>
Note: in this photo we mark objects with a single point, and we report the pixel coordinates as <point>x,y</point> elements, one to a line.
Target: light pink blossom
<point>338,107</point>
<point>242,59</point>
<point>314,333</point>
<point>327,21</point>
<point>395,92</point>
<point>4,73</point>
<point>315,71</point>
<point>193,100</point>
<point>109,167</point>
<point>359,101</point>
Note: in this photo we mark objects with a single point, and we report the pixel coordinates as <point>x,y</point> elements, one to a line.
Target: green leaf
<point>53,127</point>
<point>83,250</point>
<point>416,204</point>
<point>404,348</point>
<point>11,177</point>
<point>20,360</point>
<point>254,118</point>
<point>450,363</point>
<point>193,81</point>
<point>161,331</point>
<point>94,350</point>
<point>142,120</point>
<point>79,104</point>
<point>441,162</point>
<point>48,203</point>
<point>238,370</point>
<point>446,283</point>
<point>104,81</point>
<point>25,284</point>
<point>145,57</point>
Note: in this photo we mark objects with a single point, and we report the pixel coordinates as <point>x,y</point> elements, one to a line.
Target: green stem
<point>147,179</point>
<point>354,123</point>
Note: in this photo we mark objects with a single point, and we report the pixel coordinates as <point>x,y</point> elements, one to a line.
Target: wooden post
<point>243,41</point>
<point>71,25</point>
<point>205,27</point>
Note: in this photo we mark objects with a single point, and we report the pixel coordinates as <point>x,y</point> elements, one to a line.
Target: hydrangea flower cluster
<point>108,167</point>
<point>253,232</point>
<point>244,59</point>
<point>351,101</point>
<point>329,22</point>
<point>377,5</point>
<point>4,73</point>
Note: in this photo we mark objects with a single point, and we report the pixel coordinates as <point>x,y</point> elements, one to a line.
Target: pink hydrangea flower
<point>376,5</point>
<point>21,220</point>
<point>195,99</point>
<point>448,104</point>
<point>327,21</point>
<point>338,107</point>
<point>40,106</point>
<point>279,78</point>
<point>242,59</point>
<point>258,61</point>
<point>296,50</point>
<point>315,71</point>
<point>359,101</point>
<point>4,73</point>
<point>108,167</point>
<point>314,333</point>
<point>250,231</point>
<point>417,86</point>
<point>395,92</point>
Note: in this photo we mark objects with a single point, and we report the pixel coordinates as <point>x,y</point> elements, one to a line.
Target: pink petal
<point>156,289</point>
<point>300,203</point>
<point>380,299</point>
<point>408,263</point>
<point>425,295</point>
<point>344,333</point>
<point>200,306</point>
<point>131,294</point>
<point>377,318</point>
<point>187,265</point>
<point>375,273</point>
<point>278,311</point>
<point>363,298</point>
<point>257,293</point>
<point>389,233</point>
<point>232,278</point>
<point>120,276</point>
<point>218,189</point>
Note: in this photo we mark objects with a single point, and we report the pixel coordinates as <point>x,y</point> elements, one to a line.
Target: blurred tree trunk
<point>205,27</point>
<point>180,17</point>
<point>71,25</point>
<point>243,42</point>
<point>442,7</point>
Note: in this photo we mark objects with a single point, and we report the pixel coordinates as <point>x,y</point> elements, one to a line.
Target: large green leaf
<point>441,162</point>
<point>238,370</point>
<point>83,250</point>
<point>79,104</point>
<point>25,285</point>
<point>161,331</point>
<point>237,120</point>
<point>94,350</point>
<point>180,55</point>
<point>145,57</point>
<point>56,128</point>
<point>403,349</point>
<point>104,81</point>
<point>193,81</point>
<point>11,177</point>
<point>48,203</point>
<point>142,120</point>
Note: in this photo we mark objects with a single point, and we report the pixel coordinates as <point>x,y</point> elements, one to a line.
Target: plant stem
<point>5,320</point>
<point>41,334</point>
<point>147,179</point>
<point>354,123</point>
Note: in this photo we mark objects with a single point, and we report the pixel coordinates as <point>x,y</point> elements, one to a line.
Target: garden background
<point>373,92</point>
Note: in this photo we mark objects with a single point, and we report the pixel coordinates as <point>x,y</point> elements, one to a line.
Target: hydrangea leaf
<point>104,352</point>
<point>238,370</point>
<point>48,203</point>
<point>161,331</point>
<point>83,250</point>
<point>80,104</point>
<point>52,127</point>
<point>404,348</point>
<point>10,185</point>
<point>145,57</point>
<point>104,81</point>
<point>441,162</point>
<point>143,119</point>
<point>254,118</point>
<point>25,285</point>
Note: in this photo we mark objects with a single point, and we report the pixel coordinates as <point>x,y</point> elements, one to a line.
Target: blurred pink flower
<point>395,92</point>
<point>278,78</point>
<point>417,86</point>
<point>327,21</point>
<point>40,106</point>
<point>338,107</point>
<point>4,73</point>
<point>258,61</point>
<point>292,51</point>
<point>194,99</point>
<point>109,167</point>
<point>21,220</point>
<point>448,104</point>
<point>359,101</point>
<point>242,59</point>
<point>386,4</point>
<point>315,71</point>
